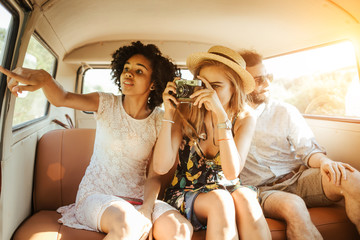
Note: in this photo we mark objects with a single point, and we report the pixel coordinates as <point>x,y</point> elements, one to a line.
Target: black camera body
<point>184,89</point>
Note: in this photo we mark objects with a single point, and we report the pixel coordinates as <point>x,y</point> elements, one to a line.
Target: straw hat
<point>228,57</point>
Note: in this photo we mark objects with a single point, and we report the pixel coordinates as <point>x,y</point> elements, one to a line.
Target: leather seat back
<point>61,160</point>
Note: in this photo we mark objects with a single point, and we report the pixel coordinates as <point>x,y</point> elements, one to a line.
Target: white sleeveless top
<point>118,165</point>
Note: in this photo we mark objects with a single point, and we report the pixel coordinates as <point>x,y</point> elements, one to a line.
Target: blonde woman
<point>212,136</point>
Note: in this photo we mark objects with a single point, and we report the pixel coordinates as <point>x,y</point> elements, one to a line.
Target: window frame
<point>79,87</point>
<point>9,47</point>
<point>82,71</point>
<point>23,125</point>
<point>323,117</point>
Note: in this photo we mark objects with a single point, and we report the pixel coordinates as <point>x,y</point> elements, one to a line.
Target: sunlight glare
<point>313,61</point>
<point>5,18</point>
<point>352,98</point>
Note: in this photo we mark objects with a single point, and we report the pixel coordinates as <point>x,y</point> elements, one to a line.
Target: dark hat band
<point>225,56</point>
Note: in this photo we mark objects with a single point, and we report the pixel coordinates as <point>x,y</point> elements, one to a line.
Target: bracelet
<point>167,120</point>
<point>225,125</point>
<point>224,139</point>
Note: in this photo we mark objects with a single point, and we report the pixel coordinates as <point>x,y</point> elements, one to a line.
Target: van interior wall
<point>341,140</point>
<point>66,76</point>
<point>17,180</point>
<point>19,147</point>
<point>18,162</point>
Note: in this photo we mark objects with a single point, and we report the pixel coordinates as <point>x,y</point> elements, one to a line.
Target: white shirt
<point>282,142</point>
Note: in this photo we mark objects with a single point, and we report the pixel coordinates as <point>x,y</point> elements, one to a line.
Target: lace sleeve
<point>106,102</point>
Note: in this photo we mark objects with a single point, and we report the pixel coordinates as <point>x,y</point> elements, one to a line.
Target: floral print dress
<point>196,174</point>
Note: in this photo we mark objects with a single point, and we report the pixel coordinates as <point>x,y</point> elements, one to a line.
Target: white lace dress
<point>118,164</point>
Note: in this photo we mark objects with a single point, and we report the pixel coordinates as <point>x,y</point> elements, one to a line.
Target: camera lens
<point>182,91</point>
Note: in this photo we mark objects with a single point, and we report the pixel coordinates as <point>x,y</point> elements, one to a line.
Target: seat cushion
<point>332,223</point>
<point>43,225</point>
<point>62,158</point>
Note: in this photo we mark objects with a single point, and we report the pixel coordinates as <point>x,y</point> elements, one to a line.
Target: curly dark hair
<point>163,70</point>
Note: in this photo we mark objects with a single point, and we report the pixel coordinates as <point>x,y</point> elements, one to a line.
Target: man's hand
<point>334,171</point>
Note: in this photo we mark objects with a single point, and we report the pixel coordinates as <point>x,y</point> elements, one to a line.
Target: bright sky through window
<point>314,61</point>
<point>5,18</point>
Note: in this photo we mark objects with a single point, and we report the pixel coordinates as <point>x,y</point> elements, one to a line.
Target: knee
<point>247,205</point>
<point>185,231</point>
<point>216,204</point>
<point>126,225</point>
<point>352,182</point>
<point>220,200</point>
<point>348,187</point>
<point>244,196</point>
<point>118,228</point>
<point>293,206</point>
<point>172,226</point>
<point>179,231</point>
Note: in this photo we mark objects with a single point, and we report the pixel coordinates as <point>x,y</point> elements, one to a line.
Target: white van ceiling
<point>270,26</point>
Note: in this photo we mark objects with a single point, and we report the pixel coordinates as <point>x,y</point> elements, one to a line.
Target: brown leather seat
<point>61,160</point>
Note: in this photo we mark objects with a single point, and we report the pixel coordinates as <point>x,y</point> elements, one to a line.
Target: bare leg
<point>123,221</point>
<point>250,220</point>
<point>350,190</point>
<point>172,225</point>
<point>292,209</point>
<point>217,209</point>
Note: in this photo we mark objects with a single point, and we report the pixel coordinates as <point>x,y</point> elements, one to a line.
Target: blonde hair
<point>195,115</point>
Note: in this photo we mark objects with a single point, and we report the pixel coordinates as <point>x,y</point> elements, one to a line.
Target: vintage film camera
<point>184,88</point>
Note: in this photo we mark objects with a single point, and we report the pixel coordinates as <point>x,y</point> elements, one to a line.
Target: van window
<point>32,106</point>
<point>98,80</point>
<point>323,81</point>
<point>186,74</point>
<point>9,23</point>
<point>5,24</point>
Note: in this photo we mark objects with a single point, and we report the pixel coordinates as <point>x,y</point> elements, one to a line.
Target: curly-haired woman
<point>115,196</point>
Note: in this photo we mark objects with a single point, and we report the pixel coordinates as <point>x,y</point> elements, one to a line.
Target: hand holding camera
<point>179,91</point>
<point>198,92</point>
<point>185,88</point>
<point>209,98</point>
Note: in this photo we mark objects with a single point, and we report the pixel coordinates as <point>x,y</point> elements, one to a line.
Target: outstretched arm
<point>24,79</point>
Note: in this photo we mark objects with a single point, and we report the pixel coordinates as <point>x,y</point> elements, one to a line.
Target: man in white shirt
<point>289,167</point>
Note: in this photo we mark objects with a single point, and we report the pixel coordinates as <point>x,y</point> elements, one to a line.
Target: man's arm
<point>333,170</point>
<point>303,140</point>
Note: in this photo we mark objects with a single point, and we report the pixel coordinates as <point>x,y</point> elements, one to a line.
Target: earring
<point>152,88</point>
